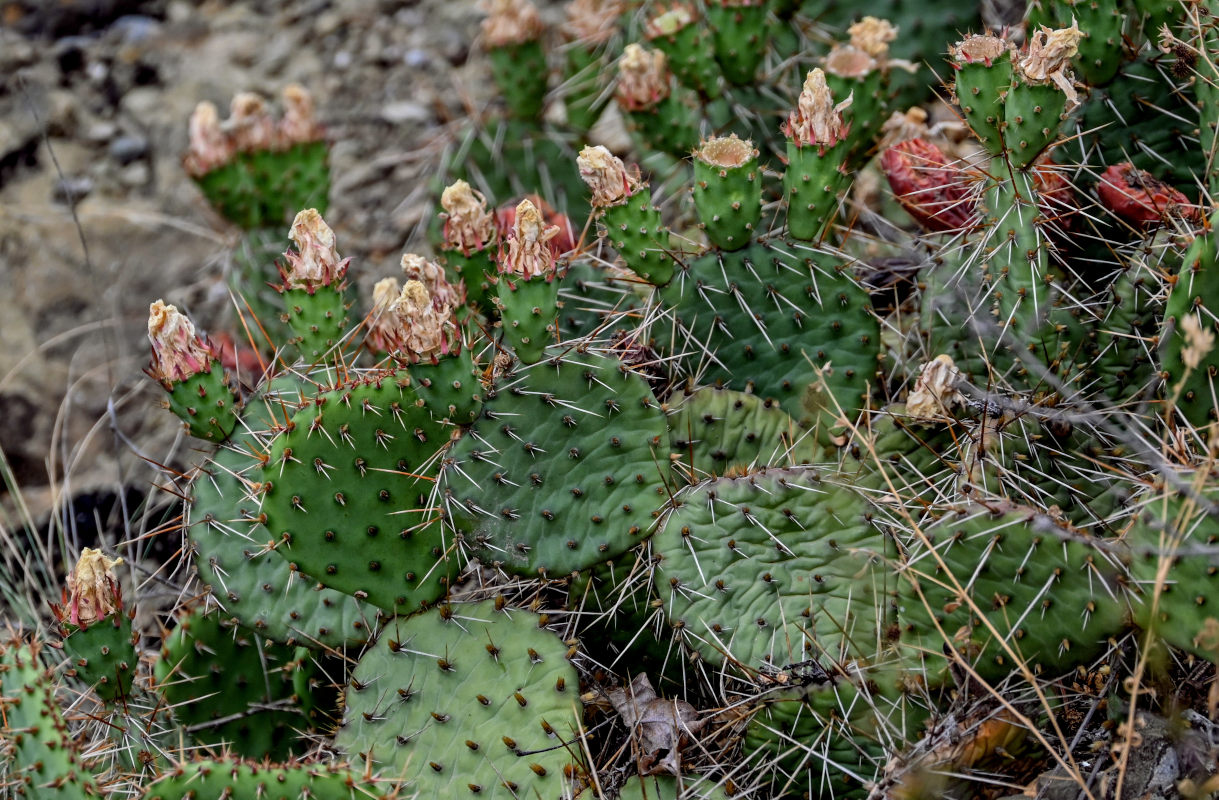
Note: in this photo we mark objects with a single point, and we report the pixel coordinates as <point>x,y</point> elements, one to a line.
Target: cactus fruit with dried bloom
<point>528,289</point>
<point>740,29</point>
<point>97,634</point>
<point>654,110</point>
<point>589,30</point>
<point>629,219</point>
<point>187,367</point>
<point>312,283</point>
<point>512,34</point>
<point>676,30</point>
<point>728,190</point>
<point>816,158</point>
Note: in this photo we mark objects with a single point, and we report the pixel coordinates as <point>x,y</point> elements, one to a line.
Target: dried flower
<point>468,225</point>
<point>529,251</point>
<point>977,48</point>
<point>643,78</point>
<point>93,591</point>
<point>872,35</point>
<point>178,352</point>
<point>727,152</point>
<point>816,119</point>
<point>315,262</point>
<point>592,22</point>
<point>382,334</point>
<point>1048,57</point>
<point>1198,341</point>
<point>935,391</point>
<point>511,22</point>
<point>209,146</point>
<point>609,180</point>
<point>848,61</point>
<point>667,22</point>
<point>250,125</point>
<point>444,294</point>
<point>424,331</point>
<point>299,125</point>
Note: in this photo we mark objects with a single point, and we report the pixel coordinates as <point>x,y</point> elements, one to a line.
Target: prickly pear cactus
<point>233,778</point>
<point>467,700</point>
<point>533,508</point>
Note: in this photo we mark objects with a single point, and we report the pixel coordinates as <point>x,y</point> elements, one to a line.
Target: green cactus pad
<point>813,183</point>
<point>668,787</point>
<point>690,51</point>
<point>1174,565</point>
<point>104,655</point>
<point>728,191</point>
<point>252,583</point>
<point>318,320</point>
<point>528,310</point>
<point>895,458</point>
<point>449,387</point>
<point>229,687</point>
<point>205,778</point>
<point>1055,596</point>
<point>715,432</point>
<point>767,319</point>
<point>265,189</point>
<point>1032,115</point>
<point>670,126</point>
<point>206,403</point>
<point>771,569</point>
<point>467,700</point>
<point>564,468</point>
<point>475,271</point>
<point>1195,292</point>
<point>347,487</point>
<point>1100,51</point>
<point>598,300</point>
<point>739,32</point>
<point>981,87</point>
<point>520,73</point>
<point>635,230</point>
<point>45,764</point>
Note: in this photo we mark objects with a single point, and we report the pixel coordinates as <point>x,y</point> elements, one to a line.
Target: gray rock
<point>129,148</point>
<point>71,189</point>
<point>400,111</point>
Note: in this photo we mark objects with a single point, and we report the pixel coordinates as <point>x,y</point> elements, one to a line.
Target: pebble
<point>401,111</point>
<point>129,148</point>
<point>71,190</point>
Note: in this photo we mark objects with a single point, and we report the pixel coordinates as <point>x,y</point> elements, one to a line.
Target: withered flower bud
<point>529,251</point>
<point>849,61</point>
<point>1048,59</point>
<point>93,591</point>
<point>872,35</point>
<point>178,352</point>
<point>425,332</point>
<point>816,120</point>
<point>209,146</point>
<point>383,320</point>
<point>607,177</point>
<point>978,48</point>
<point>299,125</point>
<point>643,78</point>
<point>250,123</point>
<point>592,22</point>
<point>444,294</point>
<point>511,22</point>
<point>667,22</point>
<point>935,391</point>
<point>315,262</point>
<point>727,152</point>
<point>468,225</point>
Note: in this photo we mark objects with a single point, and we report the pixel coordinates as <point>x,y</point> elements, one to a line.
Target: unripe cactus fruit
<point>97,634</point>
<point>816,159</point>
<point>528,291</point>
<point>313,284</point>
<point>728,190</point>
<point>512,33</point>
<point>470,239</point>
<point>187,367</point>
<point>645,93</point>
<point>983,67</point>
<point>676,31</point>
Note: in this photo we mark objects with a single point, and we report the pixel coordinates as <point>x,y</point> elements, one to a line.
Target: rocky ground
<point>97,217</point>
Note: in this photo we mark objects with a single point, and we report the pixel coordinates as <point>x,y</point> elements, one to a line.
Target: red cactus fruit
<point>1141,199</point>
<point>933,191</point>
